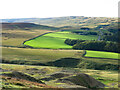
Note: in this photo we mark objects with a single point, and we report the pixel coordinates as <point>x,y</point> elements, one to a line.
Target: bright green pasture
<point>56,40</point>
<point>47,42</point>
<point>101,54</point>
<point>71,36</point>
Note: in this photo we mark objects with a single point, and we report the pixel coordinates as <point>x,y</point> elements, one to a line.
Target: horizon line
<point>59,17</point>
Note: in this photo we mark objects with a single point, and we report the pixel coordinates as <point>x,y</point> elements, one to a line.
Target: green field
<point>37,55</point>
<point>56,40</point>
<point>101,54</point>
<point>47,42</point>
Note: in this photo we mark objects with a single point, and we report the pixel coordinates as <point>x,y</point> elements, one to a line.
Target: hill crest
<point>25,26</point>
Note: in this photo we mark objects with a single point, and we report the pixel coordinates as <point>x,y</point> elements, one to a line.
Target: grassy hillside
<point>34,56</point>
<point>54,58</point>
<point>17,37</point>
<point>47,42</point>
<point>25,26</point>
<point>56,40</point>
<point>72,36</point>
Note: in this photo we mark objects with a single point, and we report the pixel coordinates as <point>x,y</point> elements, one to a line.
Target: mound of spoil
<point>55,76</point>
<point>42,71</point>
<point>21,75</point>
<point>59,75</point>
<point>82,80</point>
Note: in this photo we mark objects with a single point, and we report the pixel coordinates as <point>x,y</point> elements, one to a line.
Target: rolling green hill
<point>56,40</point>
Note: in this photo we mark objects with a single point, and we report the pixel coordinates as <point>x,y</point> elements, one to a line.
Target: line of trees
<point>72,41</point>
<point>113,37</point>
<point>93,45</point>
<point>85,33</point>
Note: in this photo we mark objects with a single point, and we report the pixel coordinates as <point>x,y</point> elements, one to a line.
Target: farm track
<point>99,37</point>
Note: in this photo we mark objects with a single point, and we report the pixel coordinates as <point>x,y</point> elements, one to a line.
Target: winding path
<point>99,37</point>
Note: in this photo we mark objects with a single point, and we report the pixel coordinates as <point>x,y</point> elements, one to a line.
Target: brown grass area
<point>17,37</point>
<point>25,83</point>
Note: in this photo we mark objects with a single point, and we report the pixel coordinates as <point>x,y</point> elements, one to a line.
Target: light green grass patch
<point>56,40</point>
<point>71,36</point>
<point>101,54</point>
<point>47,42</point>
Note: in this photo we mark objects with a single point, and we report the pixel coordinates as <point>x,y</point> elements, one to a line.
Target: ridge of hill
<point>25,26</point>
<point>66,21</point>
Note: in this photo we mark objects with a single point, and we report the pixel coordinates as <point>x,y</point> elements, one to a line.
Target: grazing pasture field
<point>71,36</point>
<point>32,56</point>
<point>43,56</point>
<point>101,54</point>
<point>47,42</point>
<point>56,40</point>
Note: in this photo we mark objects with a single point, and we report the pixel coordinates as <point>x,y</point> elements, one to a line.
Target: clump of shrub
<point>93,45</point>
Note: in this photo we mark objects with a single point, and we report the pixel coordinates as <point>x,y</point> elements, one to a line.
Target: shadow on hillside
<point>65,62</point>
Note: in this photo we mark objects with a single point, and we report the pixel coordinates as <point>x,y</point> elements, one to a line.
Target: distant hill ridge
<point>25,26</point>
<point>65,21</point>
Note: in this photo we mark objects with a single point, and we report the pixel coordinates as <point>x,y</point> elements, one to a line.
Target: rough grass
<point>17,37</point>
<point>43,56</point>
<point>101,54</point>
<point>56,40</point>
<point>37,55</point>
<point>109,78</point>
<point>15,83</point>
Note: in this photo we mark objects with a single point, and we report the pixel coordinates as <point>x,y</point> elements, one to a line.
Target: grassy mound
<point>83,80</point>
<point>23,76</point>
